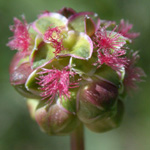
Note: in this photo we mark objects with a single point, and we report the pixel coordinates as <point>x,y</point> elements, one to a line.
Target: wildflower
<point>72,67</point>
<point>124,29</point>
<point>56,82</point>
<point>21,39</point>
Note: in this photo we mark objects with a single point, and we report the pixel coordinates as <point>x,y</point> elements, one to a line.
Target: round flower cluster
<point>73,68</point>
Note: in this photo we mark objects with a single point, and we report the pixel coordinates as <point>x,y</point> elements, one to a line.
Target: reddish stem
<point>77,138</point>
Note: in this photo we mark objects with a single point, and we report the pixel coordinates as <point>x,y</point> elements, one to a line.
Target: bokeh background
<point>19,132</point>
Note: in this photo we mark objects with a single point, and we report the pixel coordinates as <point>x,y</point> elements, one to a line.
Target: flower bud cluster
<point>73,67</point>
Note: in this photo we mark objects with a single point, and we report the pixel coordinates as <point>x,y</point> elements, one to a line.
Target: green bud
<point>95,98</point>
<point>54,119</point>
<point>108,121</point>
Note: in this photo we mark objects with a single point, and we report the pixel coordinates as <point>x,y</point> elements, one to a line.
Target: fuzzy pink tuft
<point>113,60</point>
<point>21,39</point>
<point>54,37</point>
<point>124,29</point>
<point>109,50</point>
<point>55,82</point>
<point>105,40</point>
<point>133,73</point>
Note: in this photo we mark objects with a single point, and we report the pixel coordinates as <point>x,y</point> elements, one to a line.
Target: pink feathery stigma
<point>107,40</point>
<point>124,29</point>
<point>133,73</point>
<point>114,60</point>
<point>21,39</point>
<point>54,37</point>
<point>109,49</point>
<point>56,82</point>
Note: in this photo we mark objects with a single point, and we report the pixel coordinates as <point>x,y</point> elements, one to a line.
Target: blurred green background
<point>19,132</point>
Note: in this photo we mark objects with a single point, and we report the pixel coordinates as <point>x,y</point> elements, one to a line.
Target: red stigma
<point>133,73</point>
<point>21,39</point>
<point>124,29</point>
<point>56,82</point>
<point>54,37</point>
<point>107,40</point>
<point>108,45</point>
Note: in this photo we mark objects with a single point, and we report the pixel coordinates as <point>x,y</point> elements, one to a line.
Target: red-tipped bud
<point>109,120</point>
<point>55,119</point>
<point>95,98</point>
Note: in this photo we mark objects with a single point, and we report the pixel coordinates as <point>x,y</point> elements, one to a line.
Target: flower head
<point>124,29</point>
<point>58,52</point>
<point>21,39</point>
<point>56,82</point>
<point>54,37</point>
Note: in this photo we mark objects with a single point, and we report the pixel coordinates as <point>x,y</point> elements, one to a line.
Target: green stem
<point>77,138</point>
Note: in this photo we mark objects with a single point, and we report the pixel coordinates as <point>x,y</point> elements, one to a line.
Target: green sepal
<point>31,83</point>
<point>41,53</point>
<point>69,103</point>
<point>109,74</point>
<point>77,22</point>
<point>56,63</point>
<point>21,89</point>
<point>80,66</point>
<point>82,45</point>
<point>89,26</point>
<point>49,20</point>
